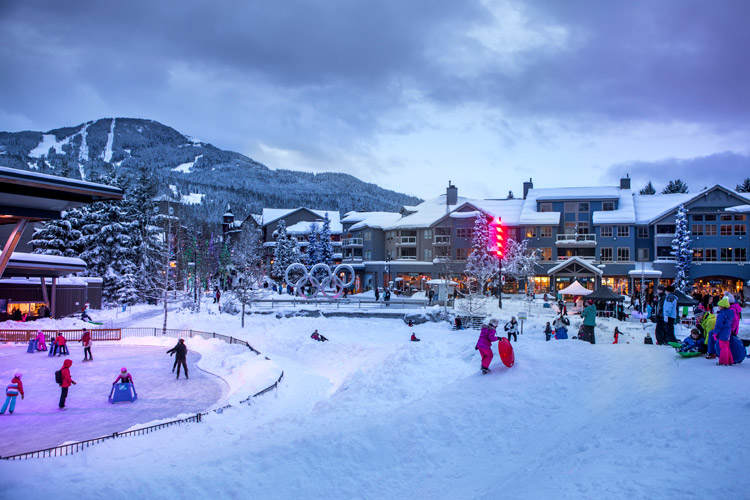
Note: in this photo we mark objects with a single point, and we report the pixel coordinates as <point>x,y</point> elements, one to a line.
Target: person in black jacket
<point>181,357</point>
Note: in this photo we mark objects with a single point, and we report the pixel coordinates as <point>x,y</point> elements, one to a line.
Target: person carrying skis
<point>180,359</point>
<point>11,393</point>
<point>124,377</point>
<point>86,341</point>
<point>66,381</point>
<point>487,335</point>
<point>511,327</point>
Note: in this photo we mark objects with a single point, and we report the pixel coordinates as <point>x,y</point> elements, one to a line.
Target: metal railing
<point>442,239</point>
<point>407,240</point>
<point>576,238</point>
<point>23,336</point>
<point>348,242</point>
<point>352,303</point>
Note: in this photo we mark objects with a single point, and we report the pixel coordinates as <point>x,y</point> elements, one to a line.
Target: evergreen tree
<point>61,237</point>
<point>326,247</point>
<point>313,246</point>
<point>482,265</point>
<point>744,186</point>
<point>648,189</point>
<point>675,186</point>
<point>682,251</point>
<point>286,252</point>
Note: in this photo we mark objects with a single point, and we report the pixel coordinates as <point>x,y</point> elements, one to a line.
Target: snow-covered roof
<point>576,193</point>
<point>509,211</point>
<point>270,215</point>
<point>645,269</point>
<point>529,215</point>
<point>427,213</point>
<point>649,207</point>
<point>67,280</point>
<point>377,220</point>
<point>739,208</point>
<point>625,213</point>
<point>578,260</point>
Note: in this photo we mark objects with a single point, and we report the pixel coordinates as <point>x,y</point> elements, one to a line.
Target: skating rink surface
<point>37,423</point>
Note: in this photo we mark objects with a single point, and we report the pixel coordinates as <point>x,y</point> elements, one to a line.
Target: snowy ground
<point>371,415</point>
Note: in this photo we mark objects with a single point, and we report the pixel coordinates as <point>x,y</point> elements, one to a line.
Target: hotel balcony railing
<point>352,242</point>
<point>442,239</point>
<point>407,240</point>
<point>353,258</point>
<point>407,257</point>
<point>576,240</point>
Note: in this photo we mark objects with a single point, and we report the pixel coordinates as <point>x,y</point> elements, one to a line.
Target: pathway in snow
<point>37,423</point>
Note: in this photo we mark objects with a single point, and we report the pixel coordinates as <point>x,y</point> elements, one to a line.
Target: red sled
<point>505,350</point>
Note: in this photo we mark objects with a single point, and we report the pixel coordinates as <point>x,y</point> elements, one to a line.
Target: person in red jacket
<point>124,377</point>
<point>66,381</point>
<point>86,341</point>
<point>62,348</point>
<point>11,392</point>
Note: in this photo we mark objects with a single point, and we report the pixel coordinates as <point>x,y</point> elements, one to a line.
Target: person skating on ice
<point>180,352</point>
<point>11,393</point>
<point>86,341</point>
<point>66,382</point>
<point>124,377</point>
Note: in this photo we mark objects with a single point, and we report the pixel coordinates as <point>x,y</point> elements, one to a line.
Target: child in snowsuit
<point>560,325</point>
<point>484,345</point>
<point>617,336</point>
<point>414,338</point>
<point>62,348</point>
<point>692,342</point>
<point>547,332</point>
<point>41,344</point>
<point>66,382</point>
<point>512,328</point>
<point>11,392</point>
<point>180,359</point>
<point>124,377</point>
<point>86,341</point>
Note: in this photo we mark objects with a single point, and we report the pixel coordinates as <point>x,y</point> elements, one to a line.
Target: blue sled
<point>52,349</point>
<point>122,392</point>
<point>32,346</point>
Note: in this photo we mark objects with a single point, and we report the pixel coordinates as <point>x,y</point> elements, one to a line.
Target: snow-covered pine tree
<point>247,260</point>
<point>286,252</point>
<point>119,244</point>
<point>682,251</point>
<point>520,262</point>
<point>744,186</point>
<point>61,237</point>
<point>482,265</point>
<point>675,186</point>
<point>326,247</point>
<point>648,189</point>
<point>313,245</point>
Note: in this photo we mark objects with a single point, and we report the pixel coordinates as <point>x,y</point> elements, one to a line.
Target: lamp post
<point>388,270</point>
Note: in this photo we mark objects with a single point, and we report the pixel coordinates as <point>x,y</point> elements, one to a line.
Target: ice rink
<point>37,422</point>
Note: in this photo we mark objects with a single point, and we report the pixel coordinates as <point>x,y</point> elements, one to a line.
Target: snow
<point>577,193</point>
<point>530,216</point>
<point>110,140</point>
<point>192,199</point>
<point>83,151</point>
<point>48,141</point>
<point>44,259</point>
<point>371,415</point>
<point>625,213</point>
<point>509,211</point>
<point>186,167</point>
<point>426,213</point>
<point>739,208</point>
<point>270,215</point>
<point>376,220</point>
<point>648,208</point>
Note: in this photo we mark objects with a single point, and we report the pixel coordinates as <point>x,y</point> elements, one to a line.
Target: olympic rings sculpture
<point>321,278</point>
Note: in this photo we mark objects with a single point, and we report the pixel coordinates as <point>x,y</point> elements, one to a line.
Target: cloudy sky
<point>405,93</point>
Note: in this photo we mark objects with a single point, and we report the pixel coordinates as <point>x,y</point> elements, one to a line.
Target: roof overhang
<point>30,265</point>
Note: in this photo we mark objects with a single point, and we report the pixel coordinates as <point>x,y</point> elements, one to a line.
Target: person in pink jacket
<point>41,342</point>
<point>484,345</point>
<point>734,306</point>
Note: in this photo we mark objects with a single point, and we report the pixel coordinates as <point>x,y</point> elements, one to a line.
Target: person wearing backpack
<point>63,378</point>
<point>11,392</point>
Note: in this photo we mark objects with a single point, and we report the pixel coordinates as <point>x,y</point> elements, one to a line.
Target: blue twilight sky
<point>405,93</point>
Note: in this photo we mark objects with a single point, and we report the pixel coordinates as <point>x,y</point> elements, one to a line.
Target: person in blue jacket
<point>722,332</point>
<point>693,342</point>
<point>666,315</point>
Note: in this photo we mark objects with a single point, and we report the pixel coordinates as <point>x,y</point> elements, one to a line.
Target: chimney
<point>451,194</point>
<point>526,187</point>
<point>625,182</point>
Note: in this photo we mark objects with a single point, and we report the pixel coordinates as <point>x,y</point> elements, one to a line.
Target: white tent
<point>574,288</point>
<point>445,288</point>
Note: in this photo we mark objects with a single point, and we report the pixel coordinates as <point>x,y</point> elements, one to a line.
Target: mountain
<point>205,178</point>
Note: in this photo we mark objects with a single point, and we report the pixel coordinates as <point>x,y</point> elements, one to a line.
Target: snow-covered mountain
<point>203,176</point>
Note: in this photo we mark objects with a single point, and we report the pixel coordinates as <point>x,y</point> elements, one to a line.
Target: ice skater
<point>86,341</point>
<point>11,393</point>
<point>41,342</point>
<point>487,336</point>
<point>180,359</point>
<point>65,381</point>
<point>125,378</point>
<point>62,347</point>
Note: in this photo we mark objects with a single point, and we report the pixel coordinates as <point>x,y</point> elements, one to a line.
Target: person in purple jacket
<point>484,345</point>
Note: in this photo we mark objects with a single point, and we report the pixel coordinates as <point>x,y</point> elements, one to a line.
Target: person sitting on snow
<point>317,336</point>
<point>693,342</point>
<point>414,338</point>
<point>124,377</point>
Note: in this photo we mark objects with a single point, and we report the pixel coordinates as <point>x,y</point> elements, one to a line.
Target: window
<point>545,232</point>
<point>606,232</point>
<point>643,255</point>
<point>545,207</point>
<point>608,206</point>
<point>428,254</point>
<point>710,229</point>
<point>709,218</point>
<point>465,232</point>
<point>605,255</point>
<point>428,234</point>
<point>571,206</point>
<point>663,252</point>
<point>408,253</point>
<point>368,254</point>
<point>726,229</point>
<point>725,217</point>
<point>461,253</point>
<point>710,255</point>
<point>740,254</point>
<point>623,254</point>
<point>739,218</point>
<point>740,230</point>
<point>623,231</point>
<point>643,231</point>
<point>698,254</point>
<point>583,227</point>
<point>367,235</point>
<point>697,218</point>
<point>666,229</point>
<point>726,255</point>
<point>583,207</point>
<point>531,232</point>
<point>697,230</point>
<point>546,253</point>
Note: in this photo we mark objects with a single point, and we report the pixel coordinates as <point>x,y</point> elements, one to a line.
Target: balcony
<point>407,240</point>
<point>352,242</point>
<point>575,240</point>
<point>442,239</point>
<point>352,258</point>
